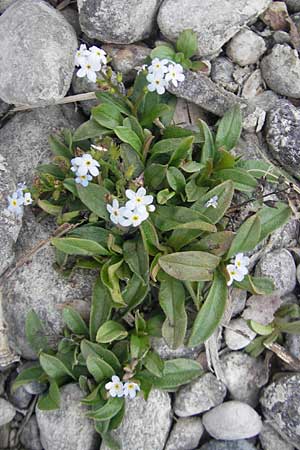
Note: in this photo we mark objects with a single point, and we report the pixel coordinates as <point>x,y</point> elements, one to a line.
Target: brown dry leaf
<point>276,16</point>
<point>261,308</point>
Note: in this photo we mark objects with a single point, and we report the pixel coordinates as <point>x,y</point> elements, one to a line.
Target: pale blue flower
<point>83,179</point>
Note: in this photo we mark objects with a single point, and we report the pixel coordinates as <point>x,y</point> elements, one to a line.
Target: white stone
<point>238,335</point>
<point>246,47</point>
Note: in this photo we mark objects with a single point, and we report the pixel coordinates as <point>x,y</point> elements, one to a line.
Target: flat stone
<point>36,285</point>
<point>278,265</point>
<point>232,420</point>
<point>198,396</point>
<point>283,134</point>
<point>281,71</point>
<point>271,440</point>
<point>39,57</point>
<point>238,335</point>
<point>280,403</point>
<point>253,85</point>
<point>127,59</point>
<point>166,352</point>
<point>67,428</point>
<point>7,412</point>
<point>240,444</point>
<point>146,424</point>
<point>30,436</point>
<point>243,376</point>
<point>185,434</point>
<point>113,22</point>
<point>246,47</point>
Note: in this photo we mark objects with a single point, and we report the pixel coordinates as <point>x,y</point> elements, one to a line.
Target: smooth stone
<point>4,4</point>
<point>67,428</point>
<point>198,396</point>
<point>253,85</point>
<point>222,73</point>
<point>214,25</point>
<point>165,352</point>
<point>232,420</point>
<point>146,424</point>
<point>71,16</point>
<point>283,134</point>
<point>243,376</point>
<point>30,436</point>
<point>246,47</point>
<point>281,71</point>
<point>19,397</point>
<point>293,5</point>
<point>185,434</point>
<point>127,59</point>
<point>7,412</point>
<point>281,37</point>
<point>238,301</point>
<point>39,57</point>
<point>114,22</point>
<point>240,444</point>
<point>238,335</point>
<point>280,402</point>
<point>278,265</point>
<point>286,236</point>
<point>271,440</point>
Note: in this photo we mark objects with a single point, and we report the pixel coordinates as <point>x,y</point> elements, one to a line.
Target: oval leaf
<point>110,331</point>
<point>247,237</point>
<point>76,246</point>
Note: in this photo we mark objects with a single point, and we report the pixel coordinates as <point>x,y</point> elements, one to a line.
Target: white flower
<point>98,54</point>
<point>156,82</point>
<point>241,262</point>
<point>234,274</point>
<point>158,65</point>
<point>150,208</point>
<point>81,55</point>
<point>175,74</point>
<point>134,218</point>
<point>138,200</point>
<point>27,200</point>
<point>84,164</point>
<point>83,179</point>
<point>89,68</point>
<point>212,202</point>
<point>15,204</point>
<point>115,387</point>
<point>116,213</point>
<point>130,389</point>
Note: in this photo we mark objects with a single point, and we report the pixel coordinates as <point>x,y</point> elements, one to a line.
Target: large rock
<point>214,25</point>
<point>198,396</point>
<point>185,434</point>
<point>278,265</point>
<point>232,420</point>
<point>37,48</point>
<point>246,47</point>
<point>243,376</point>
<point>146,424</point>
<point>166,352</point>
<point>280,403</point>
<point>9,225</point>
<point>281,71</point>
<point>24,138</point>
<point>36,285</point>
<point>4,4</point>
<point>67,428</point>
<point>240,444</point>
<point>283,134</point>
<point>7,412</point>
<point>271,440</point>
<point>116,21</point>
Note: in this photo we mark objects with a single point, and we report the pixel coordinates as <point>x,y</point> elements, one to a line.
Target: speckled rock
<point>238,335</point>
<point>221,72</point>
<point>185,434</point>
<point>7,412</point>
<point>145,425</point>
<point>198,396</point>
<point>282,135</point>
<point>246,47</point>
<point>238,301</point>
<point>67,428</point>
<point>39,57</point>
<point>19,397</point>
<point>240,444</point>
<point>279,265</point>
<point>214,25</point>
<point>166,352</point>
<point>4,4</point>
<point>232,420</point>
<point>30,436</point>
<point>114,22</point>
<point>293,5</point>
<point>243,376</point>
<point>126,59</point>
<point>281,70</point>
<point>71,16</point>
<point>271,440</point>
<point>280,403</point>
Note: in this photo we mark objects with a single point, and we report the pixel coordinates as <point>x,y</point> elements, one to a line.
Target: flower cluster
<point>90,61</point>
<point>117,389</point>
<point>19,199</point>
<point>85,168</point>
<point>238,269</point>
<point>135,211</point>
<point>161,73</point>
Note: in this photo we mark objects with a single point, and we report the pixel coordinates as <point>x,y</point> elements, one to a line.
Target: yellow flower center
<point>14,202</point>
<point>135,217</point>
<point>88,66</point>
<point>138,199</point>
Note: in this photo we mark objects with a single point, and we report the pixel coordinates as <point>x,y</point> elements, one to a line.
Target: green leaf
<point>187,43</point>
<point>94,197</point>
<point>135,292</point>
<point>130,137</point>
<point>139,345</point>
<point>164,196</point>
<point>289,327</point>
<point>54,367</point>
<point>75,322</point>
<point>189,266</point>
<point>217,243</point>
<point>171,151</point>
<point>93,233</point>
<point>208,148</point>
<point>137,258</point>
<point>263,330</point>
<point>50,400</point>
<point>154,363</point>
<point>71,186</point>
<point>155,175</point>
<point>90,348</point>
<point>247,236</point>
<point>155,112</point>
<point>181,151</point>
<point>132,123</point>
<point>256,285</point>
<point>109,410</point>
<point>35,333</point>
<point>242,180</point>
<point>111,331</point>
<point>172,302</point>
<point>162,52</point>
<point>100,308</point>
<point>224,193</point>
<point>168,218</point>
<point>273,218</point>
<point>259,169</point>
<point>131,161</point>
<point>49,208</point>
<point>110,279</point>
<point>59,148</point>
<point>211,313</point>
<point>107,115</point>
<point>100,369</point>
<point>76,246</point>
<point>117,102</point>
<point>52,169</point>
<point>229,129</point>
<point>27,376</point>
<point>89,130</point>
<point>176,179</point>
<point>150,237</point>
